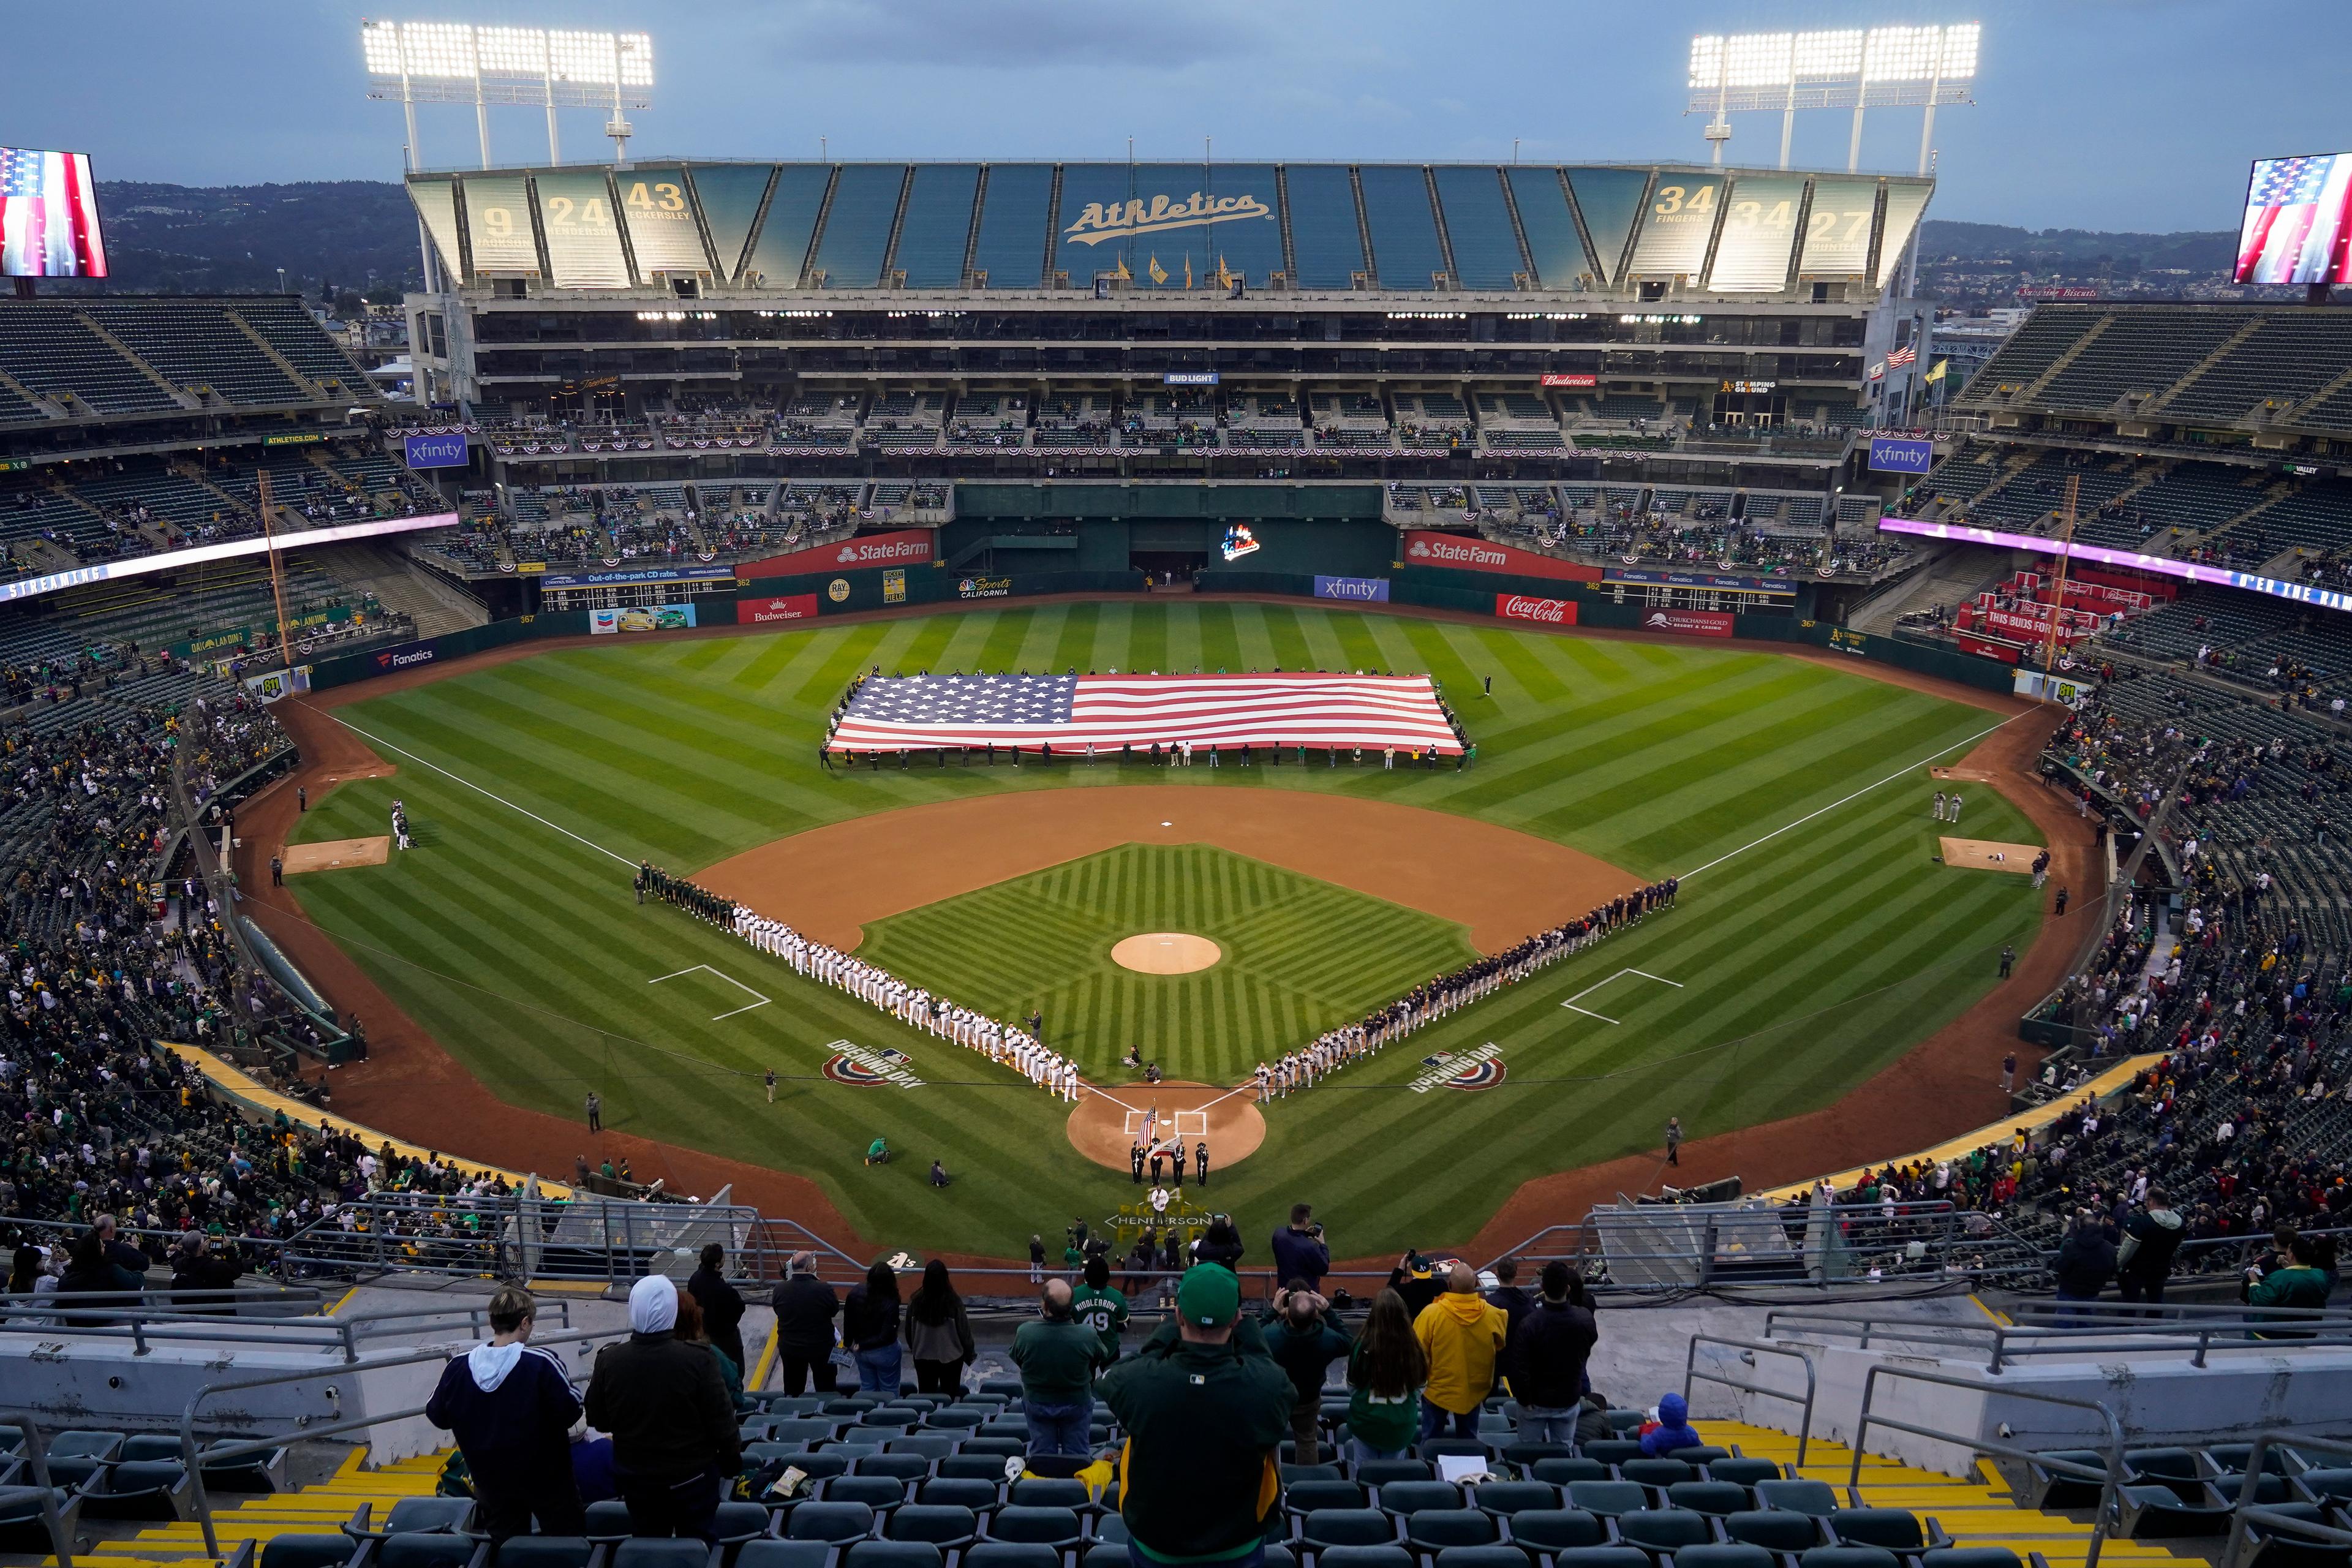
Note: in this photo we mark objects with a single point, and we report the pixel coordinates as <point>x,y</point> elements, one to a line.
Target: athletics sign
<point>1098,221</point>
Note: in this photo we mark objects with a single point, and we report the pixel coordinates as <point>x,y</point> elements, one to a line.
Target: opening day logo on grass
<point>1481,1067</point>
<point>864,1066</point>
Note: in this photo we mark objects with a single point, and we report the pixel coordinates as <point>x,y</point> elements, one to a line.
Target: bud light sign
<point>435,451</point>
<point>1363,590</point>
<point>1899,455</point>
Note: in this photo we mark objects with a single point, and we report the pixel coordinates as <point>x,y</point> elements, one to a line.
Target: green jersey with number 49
<point>1104,1312</point>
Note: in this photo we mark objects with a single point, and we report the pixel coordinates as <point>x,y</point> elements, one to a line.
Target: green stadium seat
<point>1556,1529</point>
<point>544,1552</point>
<point>1775,1530</point>
<point>1430,1529</point>
<point>1659,1531</point>
<point>1714,1498</point>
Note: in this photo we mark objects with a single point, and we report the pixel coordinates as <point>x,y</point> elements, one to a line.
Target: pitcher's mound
<point>1106,1124</point>
<point>335,854</point>
<point>1166,952</point>
<point>1988,856</point>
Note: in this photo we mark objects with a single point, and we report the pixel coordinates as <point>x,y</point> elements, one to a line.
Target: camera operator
<point>1299,1250</point>
<point>1304,1342</point>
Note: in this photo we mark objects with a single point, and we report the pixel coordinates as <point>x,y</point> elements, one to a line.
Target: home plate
<point>1985,855</point>
<point>336,853</point>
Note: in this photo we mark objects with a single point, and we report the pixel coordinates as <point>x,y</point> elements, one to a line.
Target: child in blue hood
<point>1671,1431</point>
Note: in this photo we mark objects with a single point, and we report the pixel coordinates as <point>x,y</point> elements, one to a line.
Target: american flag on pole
<point>2296,225</point>
<point>1908,354</point>
<point>48,216</point>
<point>935,712</point>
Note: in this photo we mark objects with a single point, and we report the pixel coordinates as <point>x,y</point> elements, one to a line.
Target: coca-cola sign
<point>1549,612</point>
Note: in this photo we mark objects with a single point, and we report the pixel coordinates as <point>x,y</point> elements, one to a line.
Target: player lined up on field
<point>1427,1003</point>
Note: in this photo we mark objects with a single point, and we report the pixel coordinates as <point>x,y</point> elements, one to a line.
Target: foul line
<point>1904,772</point>
<point>387,745</point>
<point>722,975</point>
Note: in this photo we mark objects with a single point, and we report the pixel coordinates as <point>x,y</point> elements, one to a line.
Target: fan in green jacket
<point>1204,1415</point>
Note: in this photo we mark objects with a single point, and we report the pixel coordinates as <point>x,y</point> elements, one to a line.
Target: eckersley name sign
<point>1468,553</point>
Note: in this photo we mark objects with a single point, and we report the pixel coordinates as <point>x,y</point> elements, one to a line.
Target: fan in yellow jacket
<point>1462,1333</point>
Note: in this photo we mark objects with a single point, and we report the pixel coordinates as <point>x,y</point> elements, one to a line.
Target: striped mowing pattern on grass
<point>1807,961</point>
<point>1300,956</point>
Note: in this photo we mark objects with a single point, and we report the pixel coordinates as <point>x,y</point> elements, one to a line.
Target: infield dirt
<point>1946,1085</point>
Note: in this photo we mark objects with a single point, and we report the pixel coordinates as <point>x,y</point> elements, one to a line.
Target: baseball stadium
<point>843,720</point>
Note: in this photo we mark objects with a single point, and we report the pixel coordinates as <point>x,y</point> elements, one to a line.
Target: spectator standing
<point>1057,1357</point>
<point>1462,1335</point>
<point>1300,1252</point>
<point>939,1333</point>
<point>594,1106</point>
<point>2086,1261</point>
<point>805,1308</point>
<point>1549,1350</point>
<point>2151,1236</point>
<point>1221,1244</point>
<point>665,1403</point>
<point>2304,1281</point>
<point>1385,1374</point>
<point>1203,1419</point>
<point>869,1328</point>
<point>198,1271</point>
<point>1304,1342</point>
<point>722,1306</point>
<point>512,1409</point>
<point>1513,1302</point>
<point>1415,1279</point>
<point>1099,1307</point>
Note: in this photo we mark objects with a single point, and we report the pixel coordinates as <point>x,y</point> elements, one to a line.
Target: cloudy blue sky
<point>2118,114</point>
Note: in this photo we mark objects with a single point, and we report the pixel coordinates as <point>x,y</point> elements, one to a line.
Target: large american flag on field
<point>48,216</point>
<point>932,712</point>
<point>2296,221</point>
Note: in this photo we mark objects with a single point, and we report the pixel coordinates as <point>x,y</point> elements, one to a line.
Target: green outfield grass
<point>1803,963</point>
<point>1300,956</point>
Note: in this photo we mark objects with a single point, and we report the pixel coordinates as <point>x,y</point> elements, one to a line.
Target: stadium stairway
<point>1978,1512</point>
<point>437,605</point>
<point>320,1508</point>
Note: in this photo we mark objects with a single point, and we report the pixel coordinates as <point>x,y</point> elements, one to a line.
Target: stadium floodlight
<point>453,62</point>
<point>1882,68</point>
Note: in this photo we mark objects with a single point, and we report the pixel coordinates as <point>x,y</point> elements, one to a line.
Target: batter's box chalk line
<point>1571,1002</point>
<point>1188,1123</point>
<point>729,978</point>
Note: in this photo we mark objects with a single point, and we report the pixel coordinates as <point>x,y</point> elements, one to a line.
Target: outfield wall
<point>1511,600</point>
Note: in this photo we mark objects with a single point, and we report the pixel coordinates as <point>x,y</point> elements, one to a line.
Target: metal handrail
<point>2249,1511</point>
<point>2110,1481</point>
<point>315,1330</point>
<point>201,1501</point>
<point>2241,1327</point>
<point>38,1451</point>
<point>1692,1374</point>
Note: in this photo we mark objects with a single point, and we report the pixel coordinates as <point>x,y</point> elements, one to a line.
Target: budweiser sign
<point>1550,612</point>
<point>1468,553</point>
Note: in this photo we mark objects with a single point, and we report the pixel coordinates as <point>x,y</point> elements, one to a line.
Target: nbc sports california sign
<point>907,547</point>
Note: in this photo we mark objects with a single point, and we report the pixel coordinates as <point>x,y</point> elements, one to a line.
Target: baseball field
<point>1816,939</point>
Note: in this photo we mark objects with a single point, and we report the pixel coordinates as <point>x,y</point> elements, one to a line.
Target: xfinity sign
<point>434,451</point>
<point>1901,455</point>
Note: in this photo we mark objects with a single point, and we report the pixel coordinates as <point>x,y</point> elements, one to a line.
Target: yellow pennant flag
<point>1938,373</point>
<point>1159,273</point>
<point>1123,275</point>
<point>1188,269</point>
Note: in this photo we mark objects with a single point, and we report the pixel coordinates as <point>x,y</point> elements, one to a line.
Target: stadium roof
<point>761,227</point>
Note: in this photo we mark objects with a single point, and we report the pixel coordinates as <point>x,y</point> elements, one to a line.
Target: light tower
<point>451,62</point>
<point>1850,69</point>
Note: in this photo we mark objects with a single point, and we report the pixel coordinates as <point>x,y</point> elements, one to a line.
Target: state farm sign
<point>907,546</point>
<point>1468,553</point>
<point>1550,612</point>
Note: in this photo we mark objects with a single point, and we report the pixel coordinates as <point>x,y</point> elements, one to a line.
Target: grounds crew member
<point>1203,1415</point>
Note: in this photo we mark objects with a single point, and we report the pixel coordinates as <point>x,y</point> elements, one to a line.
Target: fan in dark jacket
<point>1548,1350</point>
<point>805,1308</point>
<point>1304,1342</point>
<point>1514,1303</point>
<point>2151,1236</point>
<point>722,1306</point>
<point>2086,1262</point>
<point>511,1409</point>
<point>1299,1250</point>
<point>198,1272</point>
<point>675,1441</point>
